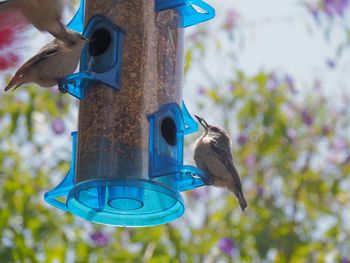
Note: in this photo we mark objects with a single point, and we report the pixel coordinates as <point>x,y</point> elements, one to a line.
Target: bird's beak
<point>89,39</point>
<point>202,122</point>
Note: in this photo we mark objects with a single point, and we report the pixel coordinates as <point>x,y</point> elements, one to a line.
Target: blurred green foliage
<point>291,148</point>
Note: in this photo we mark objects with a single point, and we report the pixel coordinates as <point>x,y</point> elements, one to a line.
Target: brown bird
<point>45,15</point>
<point>213,155</point>
<point>53,62</point>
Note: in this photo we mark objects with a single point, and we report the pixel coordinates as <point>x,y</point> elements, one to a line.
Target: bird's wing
<point>49,50</point>
<point>226,158</point>
<point>6,6</point>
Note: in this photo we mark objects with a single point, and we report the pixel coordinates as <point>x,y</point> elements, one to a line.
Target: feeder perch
<point>127,156</point>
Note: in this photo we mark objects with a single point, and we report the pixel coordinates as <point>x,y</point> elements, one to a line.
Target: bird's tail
<point>242,202</point>
<point>240,197</point>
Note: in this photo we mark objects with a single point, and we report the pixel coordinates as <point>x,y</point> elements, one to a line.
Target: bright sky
<point>278,35</point>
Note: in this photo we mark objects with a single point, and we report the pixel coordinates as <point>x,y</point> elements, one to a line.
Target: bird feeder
<point>127,157</point>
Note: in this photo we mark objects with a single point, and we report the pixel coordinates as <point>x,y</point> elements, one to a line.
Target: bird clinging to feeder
<point>213,155</point>
<point>53,62</point>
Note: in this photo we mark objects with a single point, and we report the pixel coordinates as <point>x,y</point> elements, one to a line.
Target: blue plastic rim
<point>77,22</point>
<point>192,12</point>
<point>125,202</point>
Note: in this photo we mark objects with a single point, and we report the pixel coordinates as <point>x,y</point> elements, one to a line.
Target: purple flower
<point>330,63</point>
<point>306,117</point>
<point>242,139</point>
<point>273,82</point>
<point>259,191</point>
<point>202,90</point>
<point>290,83</point>
<point>99,239</point>
<point>292,133</point>
<point>58,126</point>
<point>250,161</point>
<point>227,246</point>
<point>345,260</point>
<point>335,7</point>
<point>231,88</point>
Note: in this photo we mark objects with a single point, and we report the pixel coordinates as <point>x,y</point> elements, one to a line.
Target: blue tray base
<point>125,202</point>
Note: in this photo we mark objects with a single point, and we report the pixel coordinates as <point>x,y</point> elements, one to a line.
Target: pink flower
<point>202,90</point>
<point>314,10</point>
<point>250,161</point>
<point>339,144</point>
<point>292,133</point>
<point>199,193</point>
<point>11,25</point>
<point>8,60</point>
<point>232,17</point>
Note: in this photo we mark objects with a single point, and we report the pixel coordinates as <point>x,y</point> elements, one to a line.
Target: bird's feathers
<point>50,49</point>
<point>6,6</point>
<point>226,158</point>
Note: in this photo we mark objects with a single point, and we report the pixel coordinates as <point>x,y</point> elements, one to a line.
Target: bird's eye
<point>215,129</point>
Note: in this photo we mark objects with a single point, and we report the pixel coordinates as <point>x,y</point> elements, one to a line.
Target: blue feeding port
<point>122,201</point>
<point>100,60</point>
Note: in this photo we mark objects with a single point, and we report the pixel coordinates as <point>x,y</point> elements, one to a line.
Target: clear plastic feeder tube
<point>113,127</point>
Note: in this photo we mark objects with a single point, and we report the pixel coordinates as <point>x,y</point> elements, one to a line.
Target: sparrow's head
<point>211,129</point>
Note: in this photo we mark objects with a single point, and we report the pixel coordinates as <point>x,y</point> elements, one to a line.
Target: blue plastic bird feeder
<point>127,157</point>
